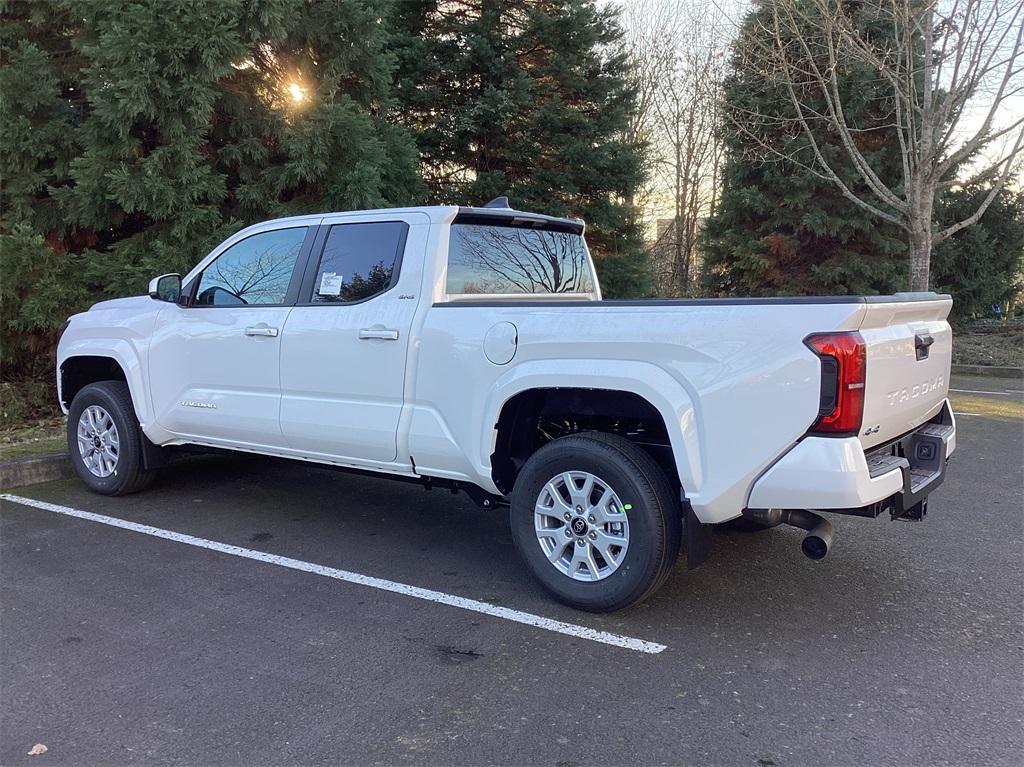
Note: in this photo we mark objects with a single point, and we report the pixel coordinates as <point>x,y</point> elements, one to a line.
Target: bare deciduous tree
<point>687,114</point>
<point>649,42</point>
<point>676,49</point>
<point>950,70</point>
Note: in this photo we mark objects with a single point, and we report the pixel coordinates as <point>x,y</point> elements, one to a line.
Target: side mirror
<point>166,287</point>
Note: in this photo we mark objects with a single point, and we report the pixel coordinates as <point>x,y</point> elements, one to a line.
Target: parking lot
<point>903,646</point>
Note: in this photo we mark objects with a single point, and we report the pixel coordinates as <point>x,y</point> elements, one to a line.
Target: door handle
<point>384,334</point>
<point>922,342</point>
<point>261,330</point>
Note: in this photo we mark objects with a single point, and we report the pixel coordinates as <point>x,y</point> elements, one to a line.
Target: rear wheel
<point>596,521</point>
<point>105,441</point>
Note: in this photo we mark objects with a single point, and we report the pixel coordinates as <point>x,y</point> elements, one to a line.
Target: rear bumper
<point>837,475</point>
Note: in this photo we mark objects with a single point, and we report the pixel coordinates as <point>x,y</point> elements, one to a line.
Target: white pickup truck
<point>470,348</point>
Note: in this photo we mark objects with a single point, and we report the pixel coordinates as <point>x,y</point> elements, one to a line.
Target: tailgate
<point>909,348</point>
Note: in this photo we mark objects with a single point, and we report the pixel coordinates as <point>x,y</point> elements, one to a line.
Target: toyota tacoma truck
<point>470,348</point>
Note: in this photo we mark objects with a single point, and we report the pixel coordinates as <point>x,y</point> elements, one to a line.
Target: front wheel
<point>596,521</point>
<point>105,441</point>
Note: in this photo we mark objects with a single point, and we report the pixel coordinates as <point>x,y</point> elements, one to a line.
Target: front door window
<point>254,271</point>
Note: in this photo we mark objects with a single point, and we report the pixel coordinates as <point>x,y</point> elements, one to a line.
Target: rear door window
<point>359,261</point>
<point>488,259</point>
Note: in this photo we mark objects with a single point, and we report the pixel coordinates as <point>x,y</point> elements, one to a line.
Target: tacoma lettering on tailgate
<point>899,396</point>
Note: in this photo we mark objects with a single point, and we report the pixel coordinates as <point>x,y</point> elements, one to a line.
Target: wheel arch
<point>603,395</point>
<point>79,368</point>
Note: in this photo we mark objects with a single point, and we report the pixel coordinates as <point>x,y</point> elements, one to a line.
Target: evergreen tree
<point>41,109</point>
<point>982,266</point>
<point>779,229</point>
<point>527,98</point>
<point>135,136</point>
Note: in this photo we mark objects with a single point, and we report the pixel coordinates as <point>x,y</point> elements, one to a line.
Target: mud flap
<point>153,457</point>
<point>696,538</point>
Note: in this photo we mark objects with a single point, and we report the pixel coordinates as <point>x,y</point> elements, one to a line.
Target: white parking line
<point>979,391</point>
<point>537,621</point>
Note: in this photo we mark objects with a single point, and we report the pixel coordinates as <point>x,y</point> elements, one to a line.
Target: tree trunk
<point>920,259</point>
<point>677,223</point>
<point>922,201</point>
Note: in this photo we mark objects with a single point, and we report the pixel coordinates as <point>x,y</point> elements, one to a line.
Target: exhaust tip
<point>818,540</point>
<point>814,547</point>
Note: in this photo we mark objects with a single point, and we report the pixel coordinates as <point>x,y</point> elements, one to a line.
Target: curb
<point>992,371</point>
<point>32,471</point>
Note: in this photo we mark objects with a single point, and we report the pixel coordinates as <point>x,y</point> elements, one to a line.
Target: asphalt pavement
<point>904,646</point>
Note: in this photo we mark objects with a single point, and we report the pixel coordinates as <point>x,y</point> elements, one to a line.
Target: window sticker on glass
<point>330,284</point>
<point>358,261</point>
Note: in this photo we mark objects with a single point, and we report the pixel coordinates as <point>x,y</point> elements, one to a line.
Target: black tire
<point>655,519</point>
<point>129,474</point>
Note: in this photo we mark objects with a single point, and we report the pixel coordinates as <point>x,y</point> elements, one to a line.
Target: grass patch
<point>1003,408</point>
<point>41,437</point>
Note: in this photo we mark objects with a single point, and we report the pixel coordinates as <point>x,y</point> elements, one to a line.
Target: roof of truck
<point>440,214</point>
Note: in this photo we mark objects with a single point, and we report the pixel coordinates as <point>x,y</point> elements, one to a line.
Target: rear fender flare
<point>643,379</point>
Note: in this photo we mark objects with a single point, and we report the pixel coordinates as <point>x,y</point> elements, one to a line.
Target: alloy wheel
<point>581,526</point>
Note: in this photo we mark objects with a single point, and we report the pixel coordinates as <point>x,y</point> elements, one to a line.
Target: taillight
<point>843,369</point>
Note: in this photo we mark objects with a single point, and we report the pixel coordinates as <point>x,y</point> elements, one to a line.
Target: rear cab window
<point>513,258</point>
